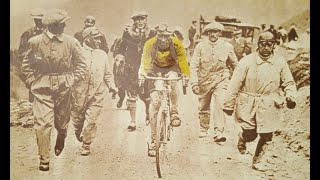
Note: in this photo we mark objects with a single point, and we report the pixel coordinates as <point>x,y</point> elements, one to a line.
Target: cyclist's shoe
<point>152,149</point>
<point>219,137</point>
<point>175,120</point>
<point>85,149</point>
<point>132,126</point>
<point>203,133</point>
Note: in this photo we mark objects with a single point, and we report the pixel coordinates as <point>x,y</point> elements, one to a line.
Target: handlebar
<point>162,78</point>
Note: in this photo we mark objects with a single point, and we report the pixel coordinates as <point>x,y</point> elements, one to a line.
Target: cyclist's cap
<point>266,36</point>
<point>213,26</point>
<point>164,29</point>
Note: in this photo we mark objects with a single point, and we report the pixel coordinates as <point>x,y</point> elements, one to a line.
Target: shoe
<point>60,143</point>
<point>119,104</point>
<point>175,120</point>
<point>44,166</point>
<point>85,149</point>
<point>260,167</point>
<point>132,127</point>
<point>241,146</point>
<point>78,136</point>
<point>218,137</point>
<point>152,150</point>
<point>203,133</point>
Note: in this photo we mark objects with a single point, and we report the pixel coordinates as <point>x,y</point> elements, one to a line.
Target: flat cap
<point>54,16</point>
<point>91,31</point>
<point>37,13</point>
<point>139,14</point>
<point>213,25</point>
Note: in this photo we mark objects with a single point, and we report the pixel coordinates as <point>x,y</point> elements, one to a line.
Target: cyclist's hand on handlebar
<point>185,80</point>
<point>141,79</point>
<point>196,89</point>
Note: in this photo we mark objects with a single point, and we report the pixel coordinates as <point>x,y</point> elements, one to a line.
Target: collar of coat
<point>136,33</point>
<point>271,59</point>
<point>49,36</point>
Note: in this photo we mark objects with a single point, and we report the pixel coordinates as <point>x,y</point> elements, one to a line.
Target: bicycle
<point>163,124</point>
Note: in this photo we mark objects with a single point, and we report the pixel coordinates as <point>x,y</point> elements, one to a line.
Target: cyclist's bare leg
<point>175,119</point>
<point>146,99</point>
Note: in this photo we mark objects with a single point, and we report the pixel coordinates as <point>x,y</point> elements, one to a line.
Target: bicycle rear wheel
<point>160,142</point>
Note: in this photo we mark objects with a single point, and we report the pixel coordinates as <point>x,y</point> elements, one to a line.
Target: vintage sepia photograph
<point>160,89</point>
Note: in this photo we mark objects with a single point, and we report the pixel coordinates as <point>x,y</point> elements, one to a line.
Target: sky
<point>111,15</point>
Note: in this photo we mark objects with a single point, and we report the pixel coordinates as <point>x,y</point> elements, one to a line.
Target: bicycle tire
<point>160,139</point>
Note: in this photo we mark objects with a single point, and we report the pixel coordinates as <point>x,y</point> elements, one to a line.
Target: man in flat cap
<point>37,15</point>
<point>210,77</point>
<point>53,62</point>
<point>89,94</point>
<point>240,44</point>
<point>255,93</point>
<point>130,51</point>
<point>164,54</point>
<point>90,21</point>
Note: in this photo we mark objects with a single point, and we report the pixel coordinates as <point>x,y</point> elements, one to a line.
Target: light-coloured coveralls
<point>209,69</point>
<point>51,65</point>
<point>88,95</point>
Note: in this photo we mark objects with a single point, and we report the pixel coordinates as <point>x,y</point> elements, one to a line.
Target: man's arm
<point>195,65</point>
<point>80,67</point>
<point>108,76</point>
<point>182,58</point>
<point>27,63</point>
<point>287,82</point>
<point>23,47</point>
<point>104,44</point>
<point>232,58</point>
<point>146,58</point>
<point>236,83</point>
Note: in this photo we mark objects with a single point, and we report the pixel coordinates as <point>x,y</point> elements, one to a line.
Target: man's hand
<point>228,112</point>
<point>290,103</point>
<point>196,89</point>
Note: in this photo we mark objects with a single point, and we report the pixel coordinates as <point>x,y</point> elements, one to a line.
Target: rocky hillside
<point>302,22</point>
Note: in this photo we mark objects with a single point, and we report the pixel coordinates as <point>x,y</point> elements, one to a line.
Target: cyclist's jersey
<point>164,58</point>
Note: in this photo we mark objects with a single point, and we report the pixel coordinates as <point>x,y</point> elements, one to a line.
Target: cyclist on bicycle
<point>163,54</point>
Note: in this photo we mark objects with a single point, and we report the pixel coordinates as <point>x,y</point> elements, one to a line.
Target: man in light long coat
<point>210,77</point>
<point>255,92</point>
<point>89,94</point>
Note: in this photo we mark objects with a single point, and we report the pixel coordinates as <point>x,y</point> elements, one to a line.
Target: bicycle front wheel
<point>160,142</point>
